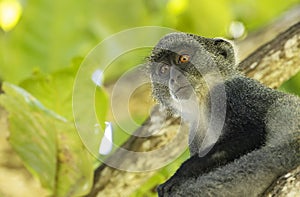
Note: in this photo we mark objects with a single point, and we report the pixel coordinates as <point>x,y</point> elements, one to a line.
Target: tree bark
<point>267,33</point>
<point>271,64</point>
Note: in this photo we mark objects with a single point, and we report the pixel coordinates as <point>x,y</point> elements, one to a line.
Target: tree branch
<point>268,33</point>
<point>276,61</point>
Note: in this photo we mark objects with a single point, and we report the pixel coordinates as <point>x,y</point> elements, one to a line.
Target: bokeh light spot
<point>10,13</point>
<point>176,7</point>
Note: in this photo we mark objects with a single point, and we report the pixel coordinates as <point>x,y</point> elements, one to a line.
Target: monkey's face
<point>170,72</point>
<point>179,61</point>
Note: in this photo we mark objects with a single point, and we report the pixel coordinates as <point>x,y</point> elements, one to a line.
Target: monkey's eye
<point>164,69</point>
<point>184,59</point>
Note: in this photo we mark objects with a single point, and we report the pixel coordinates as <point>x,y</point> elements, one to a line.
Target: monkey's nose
<point>172,81</point>
<point>175,76</point>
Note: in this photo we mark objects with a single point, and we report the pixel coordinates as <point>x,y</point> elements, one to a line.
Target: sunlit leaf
<point>32,133</point>
<point>47,143</point>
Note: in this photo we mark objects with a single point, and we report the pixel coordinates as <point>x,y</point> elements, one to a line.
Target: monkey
<point>242,134</point>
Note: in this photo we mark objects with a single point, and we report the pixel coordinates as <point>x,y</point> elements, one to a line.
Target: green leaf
<point>75,169</point>
<point>47,144</point>
<point>54,90</point>
<point>292,85</point>
<point>101,105</point>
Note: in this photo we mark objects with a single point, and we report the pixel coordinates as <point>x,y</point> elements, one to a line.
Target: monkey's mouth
<point>181,89</point>
<point>182,93</point>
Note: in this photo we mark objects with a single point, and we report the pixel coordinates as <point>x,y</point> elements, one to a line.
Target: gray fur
<point>260,134</point>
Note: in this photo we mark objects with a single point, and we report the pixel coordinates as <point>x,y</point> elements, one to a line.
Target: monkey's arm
<point>223,152</point>
<point>249,175</point>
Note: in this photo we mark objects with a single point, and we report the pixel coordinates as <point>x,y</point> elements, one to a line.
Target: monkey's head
<point>180,62</point>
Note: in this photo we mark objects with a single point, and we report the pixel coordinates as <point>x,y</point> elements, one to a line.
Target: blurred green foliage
<point>51,33</point>
<point>292,85</point>
<point>49,90</point>
<point>49,36</point>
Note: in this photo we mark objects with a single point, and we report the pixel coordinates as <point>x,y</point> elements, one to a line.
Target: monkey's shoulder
<point>248,93</point>
<point>253,107</point>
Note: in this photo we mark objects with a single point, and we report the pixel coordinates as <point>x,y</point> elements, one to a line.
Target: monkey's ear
<point>224,48</point>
